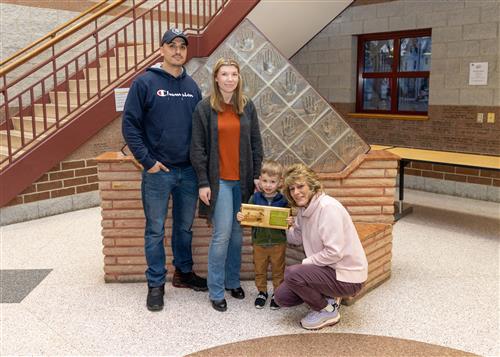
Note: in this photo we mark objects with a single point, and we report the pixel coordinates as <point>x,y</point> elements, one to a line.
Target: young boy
<point>269,245</point>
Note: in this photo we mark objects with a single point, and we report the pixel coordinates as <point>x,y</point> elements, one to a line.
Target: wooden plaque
<point>264,216</point>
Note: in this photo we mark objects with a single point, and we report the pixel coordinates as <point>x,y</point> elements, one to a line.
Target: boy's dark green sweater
<point>268,236</point>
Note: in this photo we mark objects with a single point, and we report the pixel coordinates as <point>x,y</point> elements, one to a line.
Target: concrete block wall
<point>16,34</point>
<point>366,188</point>
<point>463,32</point>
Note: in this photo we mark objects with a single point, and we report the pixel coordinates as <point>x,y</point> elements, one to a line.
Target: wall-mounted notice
<point>120,97</point>
<point>478,74</point>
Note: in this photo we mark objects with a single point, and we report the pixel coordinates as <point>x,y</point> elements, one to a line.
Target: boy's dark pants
<point>262,255</point>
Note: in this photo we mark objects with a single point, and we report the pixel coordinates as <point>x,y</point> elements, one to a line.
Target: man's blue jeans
<point>156,188</point>
<point>224,254</point>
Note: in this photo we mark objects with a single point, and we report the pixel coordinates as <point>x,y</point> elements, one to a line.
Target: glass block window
<point>393,72</point>
<point>297,124</point>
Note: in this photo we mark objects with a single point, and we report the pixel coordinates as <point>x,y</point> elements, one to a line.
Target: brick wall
<point>443,131</point>
<point>454,173</point>
<point>65,179</point>
<point>449,128</point>
<point>366,187</point>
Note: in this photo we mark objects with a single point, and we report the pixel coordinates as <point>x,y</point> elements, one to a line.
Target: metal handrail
<point>30,103</point>
<point>59,38</point>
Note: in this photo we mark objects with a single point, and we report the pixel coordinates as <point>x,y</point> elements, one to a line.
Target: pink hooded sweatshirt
<point>329,237</point>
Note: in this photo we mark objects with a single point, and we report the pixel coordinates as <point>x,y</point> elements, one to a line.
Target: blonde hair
<point>272,168</point>
<point>300,173</point>
<point>216,99</point>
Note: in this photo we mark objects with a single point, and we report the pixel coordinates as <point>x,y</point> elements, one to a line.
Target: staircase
<point>47,119</point>
<point>48,115</point>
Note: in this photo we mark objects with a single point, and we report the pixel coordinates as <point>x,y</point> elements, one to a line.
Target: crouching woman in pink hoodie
<point>335,265</point>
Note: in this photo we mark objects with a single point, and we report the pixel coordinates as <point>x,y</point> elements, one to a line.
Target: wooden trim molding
<point>388,116</point>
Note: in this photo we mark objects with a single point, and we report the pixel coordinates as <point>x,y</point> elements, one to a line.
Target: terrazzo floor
<point>444,290</point>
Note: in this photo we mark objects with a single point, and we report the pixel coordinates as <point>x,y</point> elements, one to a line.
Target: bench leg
<point>400,211</point>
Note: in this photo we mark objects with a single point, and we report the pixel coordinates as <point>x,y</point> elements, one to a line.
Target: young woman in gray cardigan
<point>226,153</point>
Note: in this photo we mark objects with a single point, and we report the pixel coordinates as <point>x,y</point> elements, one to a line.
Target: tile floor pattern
<point>331,344</point>
<point>16,284</point>
<point>444,290</point>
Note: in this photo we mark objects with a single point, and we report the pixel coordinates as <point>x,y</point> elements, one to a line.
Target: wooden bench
<point>376,239</point>
<point>435,157</point>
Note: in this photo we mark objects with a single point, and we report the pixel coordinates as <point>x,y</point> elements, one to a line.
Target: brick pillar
<point>366,187</point>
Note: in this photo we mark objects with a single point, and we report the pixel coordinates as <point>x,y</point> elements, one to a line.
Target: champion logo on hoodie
<point>164,93</point>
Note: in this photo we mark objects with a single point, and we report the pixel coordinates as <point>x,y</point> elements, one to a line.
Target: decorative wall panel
<point>297,124</point>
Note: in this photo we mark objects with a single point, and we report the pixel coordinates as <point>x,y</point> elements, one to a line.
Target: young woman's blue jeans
<point>224,254</point>
<point>182,184</point>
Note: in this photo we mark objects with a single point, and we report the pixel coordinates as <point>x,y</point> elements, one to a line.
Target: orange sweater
<point>228,123</point>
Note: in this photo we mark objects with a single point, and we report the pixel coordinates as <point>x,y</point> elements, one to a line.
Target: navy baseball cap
<point>171,34</point>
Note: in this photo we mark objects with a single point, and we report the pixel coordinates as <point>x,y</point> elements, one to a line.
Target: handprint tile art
<point>296,122</point>
<point>269,105</point>
<point>251,81</point>
<point>272,145</point>
<point>288,126</point>
<point>268,62</point>
<point>330,127</point>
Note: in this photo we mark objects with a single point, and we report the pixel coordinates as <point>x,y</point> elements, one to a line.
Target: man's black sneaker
<point>261,299</point>
<point>189,280</point>
<point>273,304</point>
<point>237,293</point>
<point>219,305</point>
<point>154,301</point>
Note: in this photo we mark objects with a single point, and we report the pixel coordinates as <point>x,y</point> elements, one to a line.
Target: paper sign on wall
<point>478,74</point>
<point>120,97</point>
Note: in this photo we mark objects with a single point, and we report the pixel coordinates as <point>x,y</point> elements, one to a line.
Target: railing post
<point>98,63</point>
<point>7,117</point>
<point>56,101</point>
<point>135,33</point>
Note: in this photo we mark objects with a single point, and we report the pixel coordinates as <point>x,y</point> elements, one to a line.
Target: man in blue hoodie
<point>157,129</point>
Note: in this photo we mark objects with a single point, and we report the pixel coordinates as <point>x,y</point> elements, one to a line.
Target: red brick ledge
<point>118,157</point>
<point>374,155</point>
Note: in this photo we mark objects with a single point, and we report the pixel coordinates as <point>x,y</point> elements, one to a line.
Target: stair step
<point>72,84</point>
<point>50,109</point>
<point>15,138</point>
<point>103,72</point>
<point>28,123</point>
<point>103,62</point>
<point>62,97</point>
<point>130,50</point>
<point>4,152</point>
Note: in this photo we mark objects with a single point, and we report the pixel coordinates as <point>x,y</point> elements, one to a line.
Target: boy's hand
<point>240,216</point>
<point>290,221</point>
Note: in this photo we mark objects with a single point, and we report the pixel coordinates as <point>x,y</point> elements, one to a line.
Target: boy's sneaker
<point>261,299</point>
<point>154,301</point>
<point>273,304</point>
<point>189,280</point>
<point>315,320</point>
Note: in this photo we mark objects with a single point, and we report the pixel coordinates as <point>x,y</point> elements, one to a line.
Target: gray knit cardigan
<point>205,150</point>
